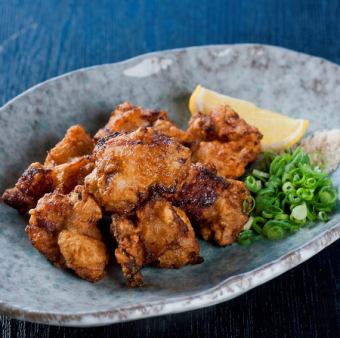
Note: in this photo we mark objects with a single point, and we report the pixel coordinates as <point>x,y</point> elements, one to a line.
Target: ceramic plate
<point>30,288</point>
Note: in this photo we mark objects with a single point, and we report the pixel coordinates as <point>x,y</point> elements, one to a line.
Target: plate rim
<point>159,53</point>
<point>263,273</point>
<point>209,297</point>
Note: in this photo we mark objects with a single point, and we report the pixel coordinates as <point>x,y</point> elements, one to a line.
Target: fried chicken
<point>229,163</point>
<point>33,183</point>
<point>66,166</point>
<point>63,228</point>
<point>167,128</point>
<point>70,174</point>
<point>69,162</point>
<point>139,169</point>
<point>221,138</point>
<point>219,206</point>
<point>128,117</point>
<point>77,142</point>
<point>160,235</point>
<point>130,166</point>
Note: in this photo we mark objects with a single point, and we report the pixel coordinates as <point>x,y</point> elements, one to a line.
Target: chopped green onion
<point>293,198</point>
<point>285,177</point>
<point>305,194</point>
<point>252,184</point>
<point>267,214</point>
<point>246,237</point>
<point>288,192</point>
<point>281,217</point>
<point>311,214</point>
<point>294,228</point>
<point>258,185</point>
<point>257,224</point>
<point>275,233</point>
<point>247,226</point>
<point>277,166</point>
<point>297,176</point>
<point>271,211</point>
<point>324,182</point>
<point>299,212</point>
<point>310,183</point>
<point>323,216</point>
<point>273,183</point>
<point>327,196</point>
<point>263,202</point>
<point>246,204</point>
<point>287,187</point>
<point>260,174</point>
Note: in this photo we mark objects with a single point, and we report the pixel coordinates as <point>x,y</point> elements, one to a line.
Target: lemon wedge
<point>279,132</point>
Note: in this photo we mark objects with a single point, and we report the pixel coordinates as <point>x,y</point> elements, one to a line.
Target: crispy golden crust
<point>168,128</point>
<point>129,166</point>
<point>167,234</point>
<point>61,171</point>
<point>45,242</point>
<point>63,228</point>
<point>160,235</point>
<point>228,163</point>
<point>128,117</point>
<point>215,204</point>
<point>33,184</point>
<point>77,142</point>
<point>221,138</point>
<point>18,200</point>
<point>130,253</point>
<point>68,175</point>
<point>37,181</point>
<point>85,213</point>
<point>221,124</point>
<point>83,254</point>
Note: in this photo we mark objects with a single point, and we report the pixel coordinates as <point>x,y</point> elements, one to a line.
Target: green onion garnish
<point>287,187</point>
<point>288,193</point>
<point>260,174</point>
<point>299,212</point>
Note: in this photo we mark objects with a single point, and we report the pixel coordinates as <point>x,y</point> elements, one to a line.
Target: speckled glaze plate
<point>32,289</point>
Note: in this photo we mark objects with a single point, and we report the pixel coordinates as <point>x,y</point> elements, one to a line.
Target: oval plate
<point>31,289</point>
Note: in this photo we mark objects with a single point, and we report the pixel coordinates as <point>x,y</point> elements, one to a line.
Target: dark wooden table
<point>42,39</point>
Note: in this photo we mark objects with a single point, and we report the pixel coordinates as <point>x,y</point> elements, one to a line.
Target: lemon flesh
<point>279,132</point>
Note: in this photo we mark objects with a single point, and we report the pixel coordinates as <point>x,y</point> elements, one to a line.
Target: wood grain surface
<point>42,39</point>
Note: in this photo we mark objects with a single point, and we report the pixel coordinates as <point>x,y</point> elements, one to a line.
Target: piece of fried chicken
<point>229,163</point>
<point>221,138</point>
<point>76,143</point>
<point>130,166</point>
<point>66,166</point>
<point>219,206</point>
<point>159,234</point>
<point>70,174</point>
<point>35,182</point>
<point>127,117</point>
<point>64,229</point>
